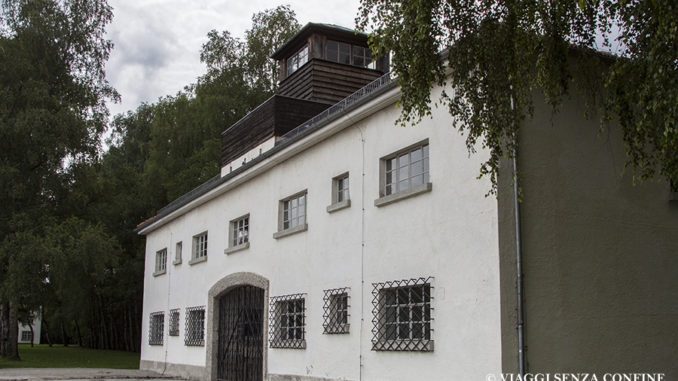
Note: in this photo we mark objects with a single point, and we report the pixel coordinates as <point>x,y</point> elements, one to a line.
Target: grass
<point>58,356</point>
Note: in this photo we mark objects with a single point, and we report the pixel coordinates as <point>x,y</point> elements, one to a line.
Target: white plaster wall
<point>449,233</point>
<point>248,156</point>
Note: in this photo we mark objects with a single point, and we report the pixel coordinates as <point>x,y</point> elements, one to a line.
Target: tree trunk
<point>44,322</point>
<point>64,337</point>
<point>13,337</point>
<point>30,325</point>
<point>77,330</point>
<point>4,332</point>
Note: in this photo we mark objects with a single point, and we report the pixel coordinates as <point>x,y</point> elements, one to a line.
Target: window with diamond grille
<point>240,231</point>
<point>194,334</point>
<point>26,336</point>
<point>287,321</point>
<point>335,311</point>
<point>174,322</point>
<point>160,261</point>
<point>406,169</point>
<point>200,246</point>
<point>156,329</point>
<point>293,212</point>
<point>402,315</point>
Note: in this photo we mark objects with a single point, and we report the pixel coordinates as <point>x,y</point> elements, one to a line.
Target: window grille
<point>402,315</point>
<point>297,60</point>
<point>200,246</point>
<point>240,231</point>
<point>294,211</point>
<point>26,336</point>
<point>287,320</point>
<point>335,311</point>
<point>174,322</point>
<point>194,334</point>
<point>405,170</point>
<point>161,260</point>
<point>156,329</point>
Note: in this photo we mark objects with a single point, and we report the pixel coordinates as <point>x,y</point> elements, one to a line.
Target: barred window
<point>287,321</point>
<point>293,211</point>
<point>405,169</point>
<point>199,247</point>
<point>26,336</point>
<point>402,315</point>
<point>335,311</point>
<point>160,261</point>
<point>195,326</point>
<point>240,231</point>
<point>156,329</point>
<point>174,322</point>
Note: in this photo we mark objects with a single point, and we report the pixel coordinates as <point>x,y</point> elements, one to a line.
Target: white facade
<point>25,335</point>
<point>447,232</point>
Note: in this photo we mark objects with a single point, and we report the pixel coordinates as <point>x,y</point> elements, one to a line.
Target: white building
<point>347,249</point>
<point>30,333</point>
<point>352,249</point>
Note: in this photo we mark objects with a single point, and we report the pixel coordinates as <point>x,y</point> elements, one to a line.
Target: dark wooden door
<point>241,350</point>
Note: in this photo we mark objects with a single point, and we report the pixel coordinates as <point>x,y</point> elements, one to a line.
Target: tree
<point>501,51</point>
<point>52,111</point>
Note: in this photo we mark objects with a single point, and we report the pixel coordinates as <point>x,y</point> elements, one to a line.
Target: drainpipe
<point>362,253</point>
<point>519,265</point>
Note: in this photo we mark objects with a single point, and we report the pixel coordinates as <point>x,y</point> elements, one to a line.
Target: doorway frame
<point>220,288</point>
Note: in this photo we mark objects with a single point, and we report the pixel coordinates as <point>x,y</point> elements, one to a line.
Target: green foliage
<point>497,54</point>
<point>43,356</point>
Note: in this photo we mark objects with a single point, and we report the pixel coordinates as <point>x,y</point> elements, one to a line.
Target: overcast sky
<point>157,42</point>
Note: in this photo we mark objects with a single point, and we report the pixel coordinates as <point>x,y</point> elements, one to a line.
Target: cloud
<point>158,42</point>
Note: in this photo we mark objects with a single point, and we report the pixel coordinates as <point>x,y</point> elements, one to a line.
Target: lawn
<point>42,356</point>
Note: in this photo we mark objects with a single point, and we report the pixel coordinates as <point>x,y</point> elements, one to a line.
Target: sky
<point>157,42</point>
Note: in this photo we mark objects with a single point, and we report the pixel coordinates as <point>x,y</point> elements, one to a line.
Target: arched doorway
<point>233,291</point>
<point>241,334</point>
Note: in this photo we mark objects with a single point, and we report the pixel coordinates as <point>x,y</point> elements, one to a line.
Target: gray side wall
<point>600,255</point>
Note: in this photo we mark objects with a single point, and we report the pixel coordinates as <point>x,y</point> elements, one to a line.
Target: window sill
<point>154,343</point>
<point>419,189</point>
<point>403,345</point>
<point>344,328</point>
<point>197,260</point>
<point>176,262</point>
<point>338,206</point>
<point>233,249</point>
<point>158,273</point>
<point>290,231</point>
<point>290,344</point>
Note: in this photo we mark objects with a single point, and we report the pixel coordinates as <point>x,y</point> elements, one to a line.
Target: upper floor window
<point>406,170</point>
<point>348,54</point>
<point>177,253</point>
<point>199,248</point>
<point>239,233</point>
<point>160,261</point>
<point>297,60</point>
<point>340,195</point>
<point>292,215</point>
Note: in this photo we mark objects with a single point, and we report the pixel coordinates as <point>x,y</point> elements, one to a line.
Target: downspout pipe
<point>519,265</point>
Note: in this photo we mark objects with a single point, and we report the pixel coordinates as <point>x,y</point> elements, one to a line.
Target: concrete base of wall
<point>191,372</point>
<point>291,377</point>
